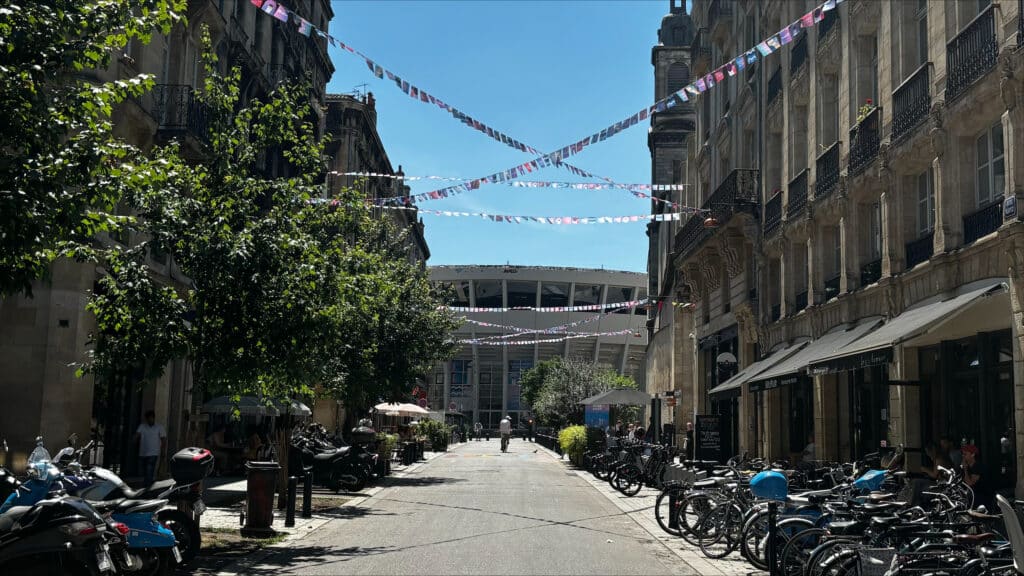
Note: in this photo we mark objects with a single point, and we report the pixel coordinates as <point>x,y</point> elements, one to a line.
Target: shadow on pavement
<point>419,481</point>
<point>349,512</point>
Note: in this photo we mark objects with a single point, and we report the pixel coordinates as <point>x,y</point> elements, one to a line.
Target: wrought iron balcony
<point>178,112</point>
<point>773,214</point>
<point>796,202</point>
<point>971,54</point>
<point>832,287</point>
<point>911,102</point>
<point>774,85</point>
<point>827,175</point>
<point>736,194</point>
<point>798,56</point>
<point>983,222</point>
<point>828,24</point>
<point>920,250</point>
<point>700,50</point>
<point>871,272</point>
<point>865,138</point>
<point>776,312</point>
<point>801,302</point>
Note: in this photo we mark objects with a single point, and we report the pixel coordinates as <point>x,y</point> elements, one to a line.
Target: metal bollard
<point>673,502</point>
<point>773,565</point>
<point>307,496</point>
<point>293,486</point>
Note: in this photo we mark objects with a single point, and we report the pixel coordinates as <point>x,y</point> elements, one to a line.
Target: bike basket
<point>876,561</point>
<point>871,480</point>
<point>770,485</point>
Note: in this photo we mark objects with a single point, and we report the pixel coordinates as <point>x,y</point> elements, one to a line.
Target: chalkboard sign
<point>708,436</point>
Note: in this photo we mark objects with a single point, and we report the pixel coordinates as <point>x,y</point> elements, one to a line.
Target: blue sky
<point>547,73</point>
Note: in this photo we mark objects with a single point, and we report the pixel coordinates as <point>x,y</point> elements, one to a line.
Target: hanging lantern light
<point>711,222</point>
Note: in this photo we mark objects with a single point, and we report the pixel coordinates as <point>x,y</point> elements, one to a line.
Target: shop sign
<point>708,435</point>
<point>596,416</point>
<point>1010,208</point>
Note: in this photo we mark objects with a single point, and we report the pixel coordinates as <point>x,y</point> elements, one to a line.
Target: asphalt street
<point>475,510</point>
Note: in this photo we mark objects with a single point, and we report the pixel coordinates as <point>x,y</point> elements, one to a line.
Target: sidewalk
<point>327,506</point>
<point>641,509</point>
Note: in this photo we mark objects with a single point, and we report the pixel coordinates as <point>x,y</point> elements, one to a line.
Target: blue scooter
<point>150,548</point>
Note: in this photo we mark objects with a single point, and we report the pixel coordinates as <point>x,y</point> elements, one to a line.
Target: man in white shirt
<point>505,428</point>
<point>152,441</point>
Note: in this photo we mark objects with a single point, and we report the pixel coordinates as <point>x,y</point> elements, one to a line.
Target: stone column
<point>683,365</point>
<point>1015,250</point>
<point>892,221</point>
<point>850,242</point>
<point>788,270</point>
<point>949,223</point>
<point>816,250</point>
<point>826,417</point>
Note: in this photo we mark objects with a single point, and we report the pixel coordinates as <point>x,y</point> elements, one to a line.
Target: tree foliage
<point>558,386</point>
<point>285,293</point>
<point>62,172</point>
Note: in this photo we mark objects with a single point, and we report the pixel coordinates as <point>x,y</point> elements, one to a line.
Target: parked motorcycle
<point>42,533</point>
<point>183,493</point>
<point>344,467</point>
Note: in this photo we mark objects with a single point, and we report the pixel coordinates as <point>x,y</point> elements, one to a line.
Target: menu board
<point>708,436</point>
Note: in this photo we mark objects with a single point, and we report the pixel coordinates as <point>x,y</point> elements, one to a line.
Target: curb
<point>244,566</point>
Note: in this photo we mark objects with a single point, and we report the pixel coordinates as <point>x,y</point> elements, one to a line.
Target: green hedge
<point>437,432</point>
<point>573,441</point>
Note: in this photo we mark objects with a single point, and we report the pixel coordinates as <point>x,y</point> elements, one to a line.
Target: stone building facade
<point>43,339</point>
<point>354,145</point>
<point>862,263</point>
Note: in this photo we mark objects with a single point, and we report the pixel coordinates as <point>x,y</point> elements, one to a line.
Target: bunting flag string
<point>580,308</point>
<point>480,342</point>
<point>597,186</point>
<point>396,176</point>
<point>552,330</point>
<point>560,220</point>
<point>730,69</point>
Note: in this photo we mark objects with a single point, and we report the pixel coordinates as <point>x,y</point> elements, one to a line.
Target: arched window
<point>678,76</point>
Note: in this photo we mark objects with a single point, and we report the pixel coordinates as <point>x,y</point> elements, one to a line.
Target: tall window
<point>837,252</point>
<point>586,294</point>
<point>488,293</point>
<point>922,31</point>
<point>991,181</point>
<point>876,231</point>
<point>554,295</point>
<point>925,203</point>
<point>678,76</point>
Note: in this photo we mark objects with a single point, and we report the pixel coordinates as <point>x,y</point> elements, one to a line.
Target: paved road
<point>477,511</point>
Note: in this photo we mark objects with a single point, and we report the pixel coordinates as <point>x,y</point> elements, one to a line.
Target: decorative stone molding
<point>937,132</point>
<point>747,322</point>
<point>709,268</point>
<point>1009,86</point>
<point>893,300</point>
<point>730,253</point>
<point>693,280</point>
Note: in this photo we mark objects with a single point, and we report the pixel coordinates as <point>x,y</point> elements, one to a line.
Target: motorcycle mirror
<point>72,439</point>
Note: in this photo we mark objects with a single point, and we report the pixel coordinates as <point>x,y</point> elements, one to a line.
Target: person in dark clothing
<point>973,476</point>
<point>688,448</point>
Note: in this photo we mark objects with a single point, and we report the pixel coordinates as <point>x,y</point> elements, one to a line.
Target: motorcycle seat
<point>138,506</point>
<point>7,519</point>
<point>328,456</point>
<point>152,491</point>
<point>107,505</point>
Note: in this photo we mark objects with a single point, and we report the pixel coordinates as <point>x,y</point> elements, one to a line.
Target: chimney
<point>371,108</point>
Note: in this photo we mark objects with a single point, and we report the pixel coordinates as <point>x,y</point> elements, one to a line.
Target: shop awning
<point>733,386</point>
<point>876,347</point>
<point>791,368</point>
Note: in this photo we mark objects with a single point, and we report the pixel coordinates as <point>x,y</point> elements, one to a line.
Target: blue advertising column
<point>596,416</point>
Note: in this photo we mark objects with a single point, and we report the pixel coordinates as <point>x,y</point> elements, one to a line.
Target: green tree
<point>62,172</point>
<point>566,383</point>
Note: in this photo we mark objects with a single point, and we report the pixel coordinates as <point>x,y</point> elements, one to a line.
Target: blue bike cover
<point>769,485</point>
<point>871,480</point>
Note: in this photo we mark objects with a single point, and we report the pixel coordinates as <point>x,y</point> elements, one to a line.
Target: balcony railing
<point>700,50</point>
<point>828,24</point>
<point>801,302</point>
<point>865,137</point>
<point>776,312</point>
<point>827,176</point>
<point>911,103</point>
<point>773,214</point>
<point>797,201</point>
<point>798,56</point>
<point>832,287</point>
<point>983,222</point>
<point>871,272</point>
<point>774,85</point>
<point>177,111</point>
<point>736,194</point>
<point>971,54</point>
<point>920,250</point>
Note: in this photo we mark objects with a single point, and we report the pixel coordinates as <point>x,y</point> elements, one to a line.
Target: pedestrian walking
<point>688,447</point>
<point>505,428</point>
<point>478,430</point>
<point>152,440</point>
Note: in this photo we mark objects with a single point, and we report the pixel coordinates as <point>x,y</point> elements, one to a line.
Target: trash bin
<point>261,484</point>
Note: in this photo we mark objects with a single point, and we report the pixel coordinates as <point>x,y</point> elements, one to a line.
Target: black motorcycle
<point>334,468</point>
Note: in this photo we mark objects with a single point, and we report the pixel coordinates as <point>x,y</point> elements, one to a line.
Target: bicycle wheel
<point>629,481</point>
<point>796,552</point>
<point>719,530</point>
<point>663,509</point>
<point>693,507</point>
<point>820,558</point>
<point>755,531</point>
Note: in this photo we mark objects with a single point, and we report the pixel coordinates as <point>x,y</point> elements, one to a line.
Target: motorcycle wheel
<point>186,532</point>
<point>356,486</point>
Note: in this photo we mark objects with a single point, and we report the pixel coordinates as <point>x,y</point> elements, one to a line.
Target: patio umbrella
<point>247,405</point>
<point>401,409</point>
<point>619,397</point>
<point>294,407</point>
